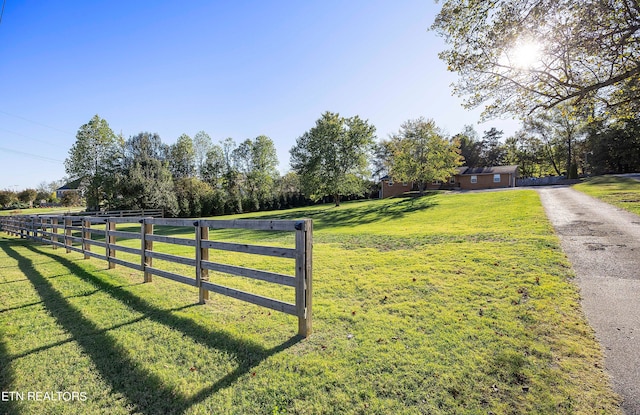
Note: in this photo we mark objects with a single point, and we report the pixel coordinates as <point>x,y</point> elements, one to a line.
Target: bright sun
<point>526,54</point>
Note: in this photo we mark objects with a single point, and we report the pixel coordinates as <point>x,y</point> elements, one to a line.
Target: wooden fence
<point>77,234</point>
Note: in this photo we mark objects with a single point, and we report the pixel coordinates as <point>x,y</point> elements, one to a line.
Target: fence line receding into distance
<point>76,233</point>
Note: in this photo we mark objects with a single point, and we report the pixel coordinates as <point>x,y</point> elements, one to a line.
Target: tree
<point>144,147</point>
<point>214,166</point>
<point>526,151</point>
<point>582,51</point>
<point>613,147</point>
<point>149,185</point>
<point>332,157</point>
<point>92,158</point>
<point>421,154</point>
<point>194,197</point>
<point>145,181</point>
<point>201,146</point>
<point>71,199</point>
<point>7,197</point>
<point>470,146</point>
<point>492,149</point>
<point>28,196</point>
<point>182,158</point>
<point>256,160</point>
<point>559,129</point>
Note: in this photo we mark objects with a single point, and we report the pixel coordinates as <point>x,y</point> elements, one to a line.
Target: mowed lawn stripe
<point>449,303</point>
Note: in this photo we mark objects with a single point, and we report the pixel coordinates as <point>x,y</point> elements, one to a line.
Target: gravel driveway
<point>603,244</point>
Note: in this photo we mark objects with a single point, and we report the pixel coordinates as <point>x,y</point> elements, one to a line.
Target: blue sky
<point>233,69</point>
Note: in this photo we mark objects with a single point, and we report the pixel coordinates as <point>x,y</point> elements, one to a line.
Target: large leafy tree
<point>492,150</point>
<point>470,146</point>
<point>421,154</point>
<point>560,129</point>
<point>613,147</point>
<point>145,180</point>
<point>202,144</point>
<point>585,50</point>
<point>257,162</point>
<point>143,147</point>
<point>93,158</point>
<point>182,158</point>
<point>332,157</point>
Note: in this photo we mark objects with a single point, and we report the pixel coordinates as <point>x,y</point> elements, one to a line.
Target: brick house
<point>467,178</point>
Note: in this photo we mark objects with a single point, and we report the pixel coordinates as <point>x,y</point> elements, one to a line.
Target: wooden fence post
<point>202,254</point>
<point>44,227</point>
<point>147,245</point>
<point>54,229</point>
<point>304,247</point>
<point>86,234</point>
<point>67,232</point>
<point>110,240</point>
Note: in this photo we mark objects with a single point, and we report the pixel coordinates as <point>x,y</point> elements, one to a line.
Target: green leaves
<point>419,153</point>
<point>589,51</point>
<point>91,158</point>
<point>332,158</point>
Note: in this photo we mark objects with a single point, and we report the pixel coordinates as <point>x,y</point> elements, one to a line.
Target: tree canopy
<point>420,153</point>
<point>578,52</point>
<point>332,157</point>
<point>92,158</point>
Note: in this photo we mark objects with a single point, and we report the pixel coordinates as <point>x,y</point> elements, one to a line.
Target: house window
<point>474,179</point>
<point>436,182</point>
<point>405,184</point>
<point>496,178</point>
<point>390,182</point>
<point>452,180</point>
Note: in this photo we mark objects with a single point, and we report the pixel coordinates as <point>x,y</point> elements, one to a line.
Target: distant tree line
<point>338,158</point>
<point>561,142</point>
<point>190,178</point>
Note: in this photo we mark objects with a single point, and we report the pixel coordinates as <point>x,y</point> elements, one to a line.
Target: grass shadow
<point>6,379</point>
<point>142,388</point>
<point>327,216</point>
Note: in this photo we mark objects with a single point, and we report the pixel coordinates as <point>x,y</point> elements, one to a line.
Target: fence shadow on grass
<point>349,215</point>
<point>6,379</point>
<point>141,387</point>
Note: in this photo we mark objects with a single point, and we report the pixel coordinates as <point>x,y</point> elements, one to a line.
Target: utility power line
<point>36,122</point>
<point>35,156</point>
<point>2,12</point>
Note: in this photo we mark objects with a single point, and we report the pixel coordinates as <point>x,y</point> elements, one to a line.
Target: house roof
<point>490,170</point>
<point>71,185</point>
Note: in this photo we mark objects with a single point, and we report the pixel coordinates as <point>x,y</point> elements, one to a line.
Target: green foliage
<point>332,157</point>
<point>71,199</point>
<point>182,158</point>
<point>419,153</point>
<point>587,51</point>
<point>194,197</point>
<point>613,146</point>
<point>445,304</point>
<point>202,144</point>
<point>27,196</point>
<point>492,150</point>
<point>470,146</point>
<point>149,185</point>
<point>256,160</point>
<point>7,197</point>
<point>93,158</point>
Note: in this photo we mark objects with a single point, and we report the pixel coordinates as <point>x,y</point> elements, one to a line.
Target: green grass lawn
<point>445,304</point>
<point>618,191</point>
<point>40,211</point>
